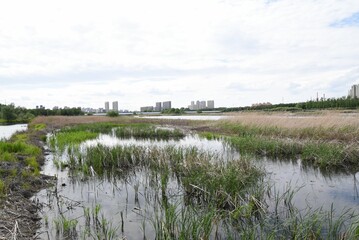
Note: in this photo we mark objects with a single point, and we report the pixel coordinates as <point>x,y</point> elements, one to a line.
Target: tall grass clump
<point>19,147</point>
<point>147,131</point>
<point>218,198</point>
<point>93,127</point>
<point>77,134</point>
<point>66,227</point>
<point>325,140</point>
<point>325,155</point>
<point>60,140</point>
<point>203,175</point>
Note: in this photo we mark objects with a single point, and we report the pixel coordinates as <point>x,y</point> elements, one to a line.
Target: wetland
<point>251,176</point>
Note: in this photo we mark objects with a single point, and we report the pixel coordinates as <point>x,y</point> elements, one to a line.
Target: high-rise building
<point>158,107</point>
<point>166,105</point>
<point>354,91</point>
<point>201,105</point>
<point>146,109</point>
<point>115,106</point>
<point>210,104</point>
<point>107,106</point>
<point>192,106</point>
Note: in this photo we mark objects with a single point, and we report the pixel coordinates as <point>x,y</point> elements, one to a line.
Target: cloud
<point>226,50</point>
<point>351,21</point>
<point>242,86</point>
<point>343,82</point>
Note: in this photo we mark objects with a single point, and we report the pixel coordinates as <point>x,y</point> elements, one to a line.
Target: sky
<point>235,52</point>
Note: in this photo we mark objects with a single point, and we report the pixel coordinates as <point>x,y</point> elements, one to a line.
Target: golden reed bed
<point>321,119</point>
<point>325,119</point>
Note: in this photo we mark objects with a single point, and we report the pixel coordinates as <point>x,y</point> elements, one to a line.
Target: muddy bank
<point>19,217</point>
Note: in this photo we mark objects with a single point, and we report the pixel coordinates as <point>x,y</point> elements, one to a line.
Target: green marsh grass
<point>63,139</point>
<point>38,127</point>
<point>94,128</point>
<point>327,140</point>
<point>220,199</point>
<point>147,131</point>
<point>3,187</point>
<point>66,227</point>
<point>204,176</point>
<point>325,155</point>
<point>77,134</point>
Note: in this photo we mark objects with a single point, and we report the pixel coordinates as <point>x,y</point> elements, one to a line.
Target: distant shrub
<point>112,114</point>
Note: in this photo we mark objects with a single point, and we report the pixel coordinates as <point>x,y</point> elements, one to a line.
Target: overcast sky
<point>138,52</point>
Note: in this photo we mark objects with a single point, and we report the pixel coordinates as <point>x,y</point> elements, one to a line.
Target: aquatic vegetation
<point>94,128</point>
<point>189,193</point>
<point>66,227</point>
<point>63,139</point>
<point>38,127</point>
<point>324,155</point>
<point>147,131</point>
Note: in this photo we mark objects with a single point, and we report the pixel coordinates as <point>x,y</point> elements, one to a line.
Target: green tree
<point>8,113</point>
<point>112,114</point>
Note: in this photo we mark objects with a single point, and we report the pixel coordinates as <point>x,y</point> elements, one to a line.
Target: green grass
<point>66,227</point>
<point>324,155</point>
<point>147,131</point>
<point>77,134</point>
<point>203,175</point>
<point>21,155</point>
<point>93,127</point>
<point>19,147</point>
<point>63,139</point>
<point>38,127</point>
<point>2,188</point>
<point>220,199</point>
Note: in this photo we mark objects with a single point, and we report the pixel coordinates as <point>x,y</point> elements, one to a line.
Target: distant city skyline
<point>83,53</point>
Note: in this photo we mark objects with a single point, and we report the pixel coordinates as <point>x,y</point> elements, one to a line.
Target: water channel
<point>6,131</point>
<point>128,201</point>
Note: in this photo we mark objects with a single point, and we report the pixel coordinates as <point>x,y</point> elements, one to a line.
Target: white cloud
<point>190,49</point>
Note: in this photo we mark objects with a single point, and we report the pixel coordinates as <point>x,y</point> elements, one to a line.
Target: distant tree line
<point>330,103</point>
<point>335,103</point>
<point>173,111</point>
<point>10,113</point>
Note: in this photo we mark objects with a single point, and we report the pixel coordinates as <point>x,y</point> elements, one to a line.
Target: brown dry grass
<point>325,119</point>
<point>56,122</point>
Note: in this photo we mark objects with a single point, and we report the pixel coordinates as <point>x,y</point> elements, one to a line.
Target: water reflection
<point>130,198</point>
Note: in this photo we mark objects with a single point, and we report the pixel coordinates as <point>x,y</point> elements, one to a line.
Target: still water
<point>6,131</point>
<point>132,198</point>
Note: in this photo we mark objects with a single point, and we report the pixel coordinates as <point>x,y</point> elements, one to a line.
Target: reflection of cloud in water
<point>119,195</point>
<point>210,146</point>
<point>316,190</point>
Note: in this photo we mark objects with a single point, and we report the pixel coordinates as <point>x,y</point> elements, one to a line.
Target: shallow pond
<point>6,131</point>
<point>129,202</point>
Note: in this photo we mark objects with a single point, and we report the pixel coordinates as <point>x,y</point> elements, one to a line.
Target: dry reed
<point>325,119</point>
